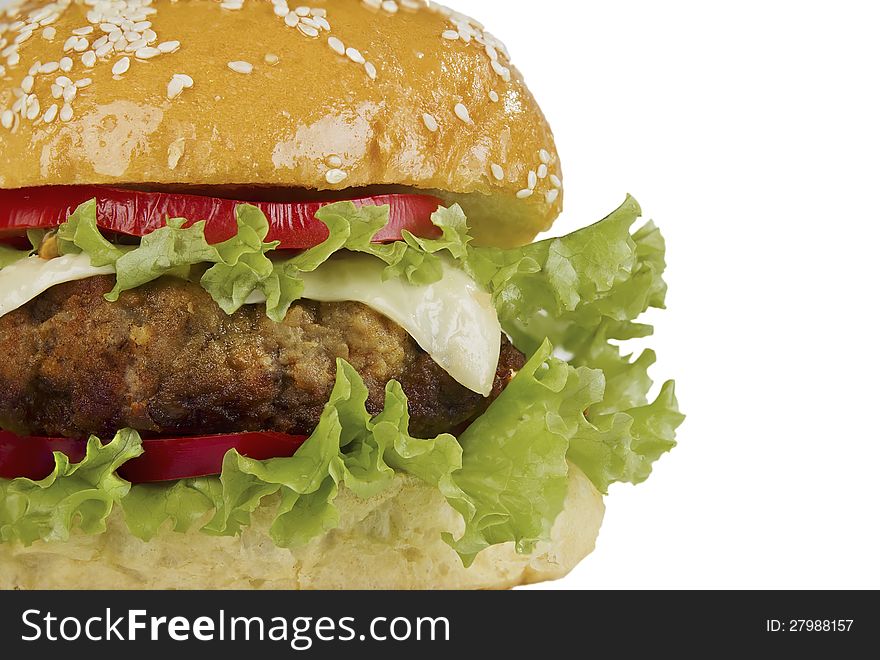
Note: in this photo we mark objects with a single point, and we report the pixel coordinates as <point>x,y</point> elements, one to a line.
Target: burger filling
<point>184,358</point>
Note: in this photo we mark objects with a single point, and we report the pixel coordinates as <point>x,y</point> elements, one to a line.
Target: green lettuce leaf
<point>9,255</point>
<point>623,446</point>
<point>352,228</point>
<point>76,495</point>
<point>348,448</point>
<point>170,250</point>
<point>186,503</point>
<point>81,234</point>
<point>243,263</point>
<point>583,292</point>
<point>514,475</point>
<point>35,237</point>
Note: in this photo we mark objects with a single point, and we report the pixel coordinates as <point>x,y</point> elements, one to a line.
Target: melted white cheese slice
<point>26,279</point>
<point>453,320</point>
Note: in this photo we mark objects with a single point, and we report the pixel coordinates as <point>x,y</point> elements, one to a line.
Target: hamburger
<point>271,315</point>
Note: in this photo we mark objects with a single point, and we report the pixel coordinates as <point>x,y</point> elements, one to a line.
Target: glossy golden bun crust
<point>305,120</point>
<point>389,542</point>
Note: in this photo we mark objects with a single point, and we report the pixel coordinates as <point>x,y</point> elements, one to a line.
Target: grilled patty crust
<point>165,359</point>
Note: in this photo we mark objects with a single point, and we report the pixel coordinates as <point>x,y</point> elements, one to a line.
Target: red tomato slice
<point>164,459</point>
<point>139,213</point>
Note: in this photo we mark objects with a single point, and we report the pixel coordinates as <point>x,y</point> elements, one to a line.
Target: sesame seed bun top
<point>335,95</point>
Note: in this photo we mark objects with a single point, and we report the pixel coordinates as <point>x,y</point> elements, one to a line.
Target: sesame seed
<point>13,59</point>
<point>525,193</point>
<point>542,171</point>
<point>281,9</point>
<point>81,44</point>
<point>49,67</point>
<point>501,70</point>
<point>307,30</point>
<point>178,83</point>
<point>168,46</point>
<point>334,161</point>
<point>66,112</point>
<point>104,50</point>
<point>6,119</point>
<point>147,53</point>
<point>65,64</point>
<point>35,68</point>
<point>240,66</point>
<point>232,5</point>
<point>336,45</point>
<point>390,6</point>
<point>57,91</point>
<point>497,172</point>
<point>303,11</point>
<point>291,19</point>
<point>63,81</point>
<point>552,195</point>
<point>89,58</point>
<point>355,55</point>
<point>83,31</point>
<point>430,122</point>
<point>491,52</point>
<point>544,155</point>
<point>557,183</point>
<point>49,33</point>
<point>371,70</point>
<point>69,93</point>
<point>533,180</point>
<point>336,176</point>
<point>70,43</point>
<point>83,82</point>
<point>462,113</point>
<point>27,85</point>
<point>175,88</point>
<point>136,45</point>
<point>271,59</point>
<point>121,66</point>
<point>51,113</point>
<point>33,110</point>
<point>493,96</point>
<point>322,23</point>
<point>452,35</point>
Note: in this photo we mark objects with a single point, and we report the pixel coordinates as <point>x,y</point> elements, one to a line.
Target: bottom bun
<point>391,541</point>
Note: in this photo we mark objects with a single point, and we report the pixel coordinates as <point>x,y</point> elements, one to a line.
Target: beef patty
<point>165,359</point>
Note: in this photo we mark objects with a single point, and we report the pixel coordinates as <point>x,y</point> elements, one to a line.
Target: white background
<point>749,132</point>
